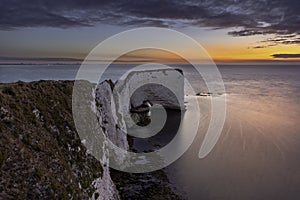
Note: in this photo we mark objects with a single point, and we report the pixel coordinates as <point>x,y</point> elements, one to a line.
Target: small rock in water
<point>204,94</point>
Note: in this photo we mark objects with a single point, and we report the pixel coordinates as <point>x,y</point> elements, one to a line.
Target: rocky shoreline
<point>42,157</point>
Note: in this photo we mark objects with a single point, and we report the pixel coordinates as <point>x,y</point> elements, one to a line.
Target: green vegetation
<point>9,91</point>
<point>41,153</point>
<point>3,156</point>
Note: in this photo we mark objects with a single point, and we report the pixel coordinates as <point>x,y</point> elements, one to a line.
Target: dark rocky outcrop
<point>41,154</point>
<point>42,157</point>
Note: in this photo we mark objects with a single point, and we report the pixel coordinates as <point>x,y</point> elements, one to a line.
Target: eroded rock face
<point>158,86</point>
<point>106,113</point>
<point>109,117</point>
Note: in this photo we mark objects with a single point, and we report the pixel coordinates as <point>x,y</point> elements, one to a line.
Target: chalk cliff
<point>42,156</point>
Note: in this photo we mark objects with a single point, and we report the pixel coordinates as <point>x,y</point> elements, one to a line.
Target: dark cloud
<point>260,17</point>
<point>282,39</point>
<point>258,47</point>
<point>286,55</point>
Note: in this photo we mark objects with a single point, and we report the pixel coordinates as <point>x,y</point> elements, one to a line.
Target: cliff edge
<point>42,156</point>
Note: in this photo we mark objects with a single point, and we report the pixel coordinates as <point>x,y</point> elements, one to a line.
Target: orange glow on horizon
<point>232,54</point>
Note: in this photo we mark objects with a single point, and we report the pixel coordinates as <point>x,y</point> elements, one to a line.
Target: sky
<point>230,30</point>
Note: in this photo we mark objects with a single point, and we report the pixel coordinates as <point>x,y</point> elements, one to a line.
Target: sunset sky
<point>230,30</point>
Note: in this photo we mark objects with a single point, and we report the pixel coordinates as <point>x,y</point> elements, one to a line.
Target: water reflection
<point>257,156</point>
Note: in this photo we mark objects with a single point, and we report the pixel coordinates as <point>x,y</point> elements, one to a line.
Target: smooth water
<point>257,155</point>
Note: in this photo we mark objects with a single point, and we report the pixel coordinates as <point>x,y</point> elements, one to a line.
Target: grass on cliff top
<point>41,155</point>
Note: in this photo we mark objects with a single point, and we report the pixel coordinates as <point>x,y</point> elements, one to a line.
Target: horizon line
<point>78,61</point>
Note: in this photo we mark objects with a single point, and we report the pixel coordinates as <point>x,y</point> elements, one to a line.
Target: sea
<point>258,153</point>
